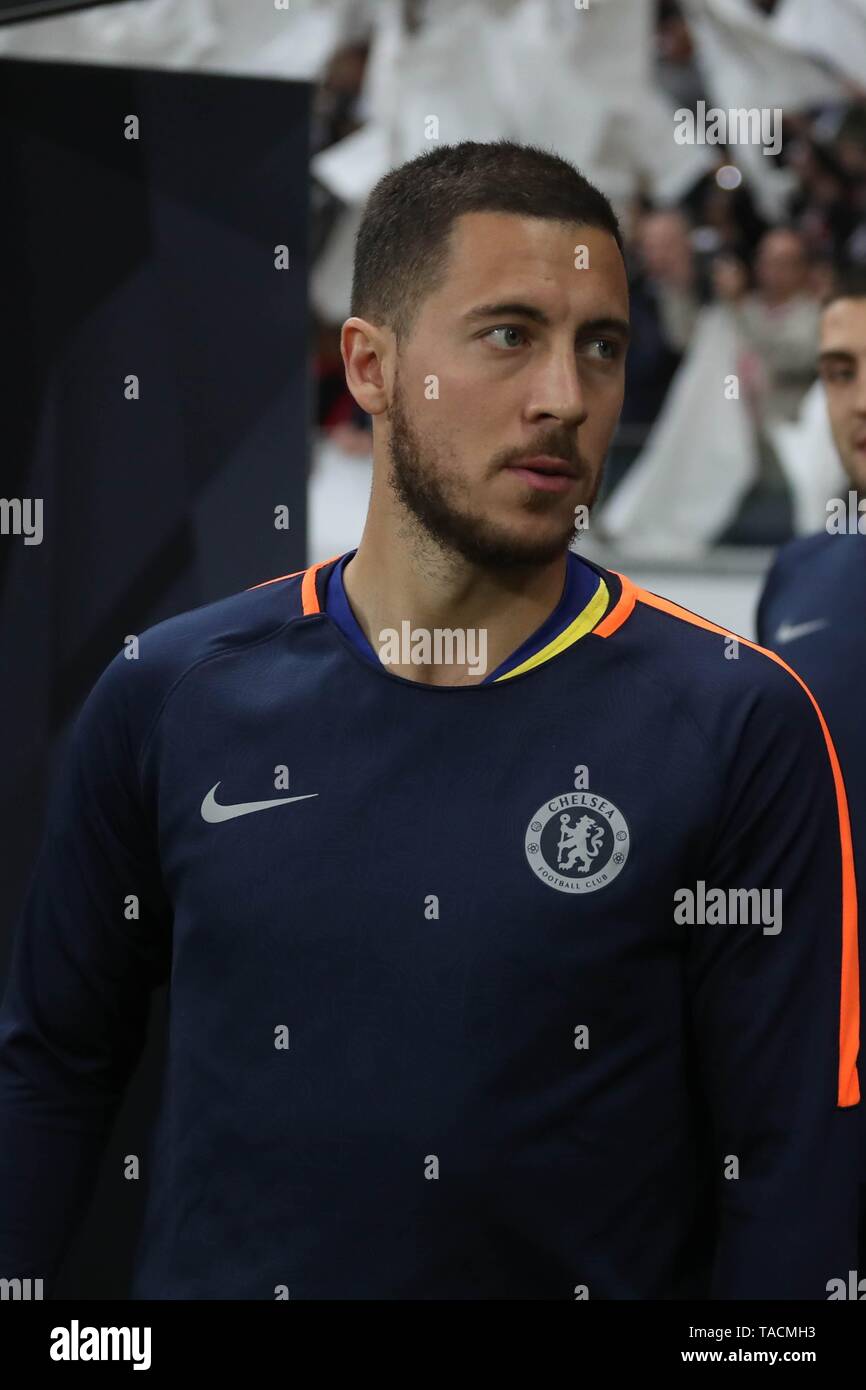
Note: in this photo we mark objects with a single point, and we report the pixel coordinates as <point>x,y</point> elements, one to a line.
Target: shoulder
<point>802,554</point>
<point>726,681</point>
<point>807,572</point>
<point>135,684</point>
<point>229,624</point>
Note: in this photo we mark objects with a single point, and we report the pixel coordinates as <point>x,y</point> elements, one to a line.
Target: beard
<point>430,499</point>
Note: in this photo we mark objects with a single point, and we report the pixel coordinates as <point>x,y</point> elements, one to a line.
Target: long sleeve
<point>775,1007</point>
<point>92,942</point>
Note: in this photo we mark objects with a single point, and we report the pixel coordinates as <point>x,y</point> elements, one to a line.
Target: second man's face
<point>842,367</point>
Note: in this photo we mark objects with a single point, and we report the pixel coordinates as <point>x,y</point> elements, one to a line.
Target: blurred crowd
<point>729,248</point>
<point>713,246</point>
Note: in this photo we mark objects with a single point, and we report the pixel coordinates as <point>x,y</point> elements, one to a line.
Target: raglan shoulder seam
<point>194,666</point>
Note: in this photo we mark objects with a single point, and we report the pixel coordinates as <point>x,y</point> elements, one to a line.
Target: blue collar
<point>580,584</point>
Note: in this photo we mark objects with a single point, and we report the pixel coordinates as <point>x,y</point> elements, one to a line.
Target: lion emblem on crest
<point>582,841</point>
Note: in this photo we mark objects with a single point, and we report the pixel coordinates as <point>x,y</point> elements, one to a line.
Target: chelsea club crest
<point>577,842</point>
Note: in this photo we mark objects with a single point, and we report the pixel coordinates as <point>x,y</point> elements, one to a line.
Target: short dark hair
<point>849,282</point>
<point>401,248</point>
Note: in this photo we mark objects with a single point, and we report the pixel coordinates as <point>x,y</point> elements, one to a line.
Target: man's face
<point>664,243</point>
<point>780,265</point>
<point>842,368</point>
<point>528,353</point>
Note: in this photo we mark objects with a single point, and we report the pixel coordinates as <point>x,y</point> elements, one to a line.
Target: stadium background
<point>264,126</point>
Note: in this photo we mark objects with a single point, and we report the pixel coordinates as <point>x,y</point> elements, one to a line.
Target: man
<point>664,307</point>
<point>778,321</point>
<point>812,605</point>
<point>776,324</point>
<point>432,839</point>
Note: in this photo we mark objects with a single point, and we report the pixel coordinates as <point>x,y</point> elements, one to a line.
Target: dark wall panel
<point>152,257</point>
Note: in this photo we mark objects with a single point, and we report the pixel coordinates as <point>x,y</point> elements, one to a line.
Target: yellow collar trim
<point>582,624</point>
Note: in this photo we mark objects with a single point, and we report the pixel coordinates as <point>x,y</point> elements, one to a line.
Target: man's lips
<point>545,473</point>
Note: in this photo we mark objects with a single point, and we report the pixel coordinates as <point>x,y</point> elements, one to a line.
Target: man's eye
<point>610,349</point>
<point>507,328</point>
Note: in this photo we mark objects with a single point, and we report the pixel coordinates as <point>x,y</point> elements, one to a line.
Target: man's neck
<point>404,594</point>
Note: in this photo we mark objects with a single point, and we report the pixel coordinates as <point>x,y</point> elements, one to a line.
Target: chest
<point>523,838</point>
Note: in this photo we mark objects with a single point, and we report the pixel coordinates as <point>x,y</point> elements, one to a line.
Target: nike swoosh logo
<point>789,632</point>
<point>213,812</point>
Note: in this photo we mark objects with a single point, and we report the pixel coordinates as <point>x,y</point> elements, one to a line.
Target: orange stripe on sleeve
<point>849,1003</point>
<point>309,597</point>
<point>620,611</point>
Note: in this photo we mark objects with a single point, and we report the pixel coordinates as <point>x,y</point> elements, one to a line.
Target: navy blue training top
<point>813,613</point>
<point>439,1026</point>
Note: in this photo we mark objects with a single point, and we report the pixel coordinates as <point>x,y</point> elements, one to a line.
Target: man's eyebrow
<point>835,354</point>
<point>516,309</point>
<point>507,307</point>
<point>606,325</point>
